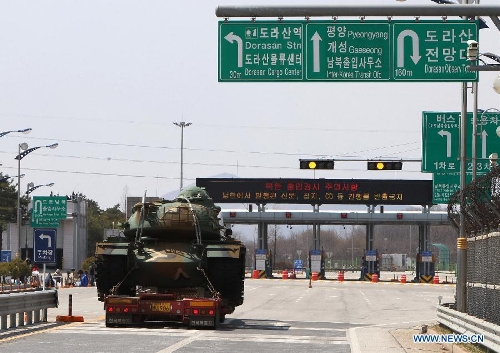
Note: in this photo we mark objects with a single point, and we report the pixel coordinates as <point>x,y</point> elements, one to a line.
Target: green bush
<point>17,268</point>
<point>4,269</point>
<point>89,261</point>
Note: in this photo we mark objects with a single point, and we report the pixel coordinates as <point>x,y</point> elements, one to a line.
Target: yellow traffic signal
<point>316,164</point>
<point>385,165</point>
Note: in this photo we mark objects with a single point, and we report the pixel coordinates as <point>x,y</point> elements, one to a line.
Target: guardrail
<point>29,307</point>
<point>467,324</point>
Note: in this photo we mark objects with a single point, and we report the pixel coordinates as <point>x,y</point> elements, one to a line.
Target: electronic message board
<point>318,191</point>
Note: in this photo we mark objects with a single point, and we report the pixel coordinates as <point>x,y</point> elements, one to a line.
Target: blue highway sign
<point>44,246</point>
<point>6,256</point>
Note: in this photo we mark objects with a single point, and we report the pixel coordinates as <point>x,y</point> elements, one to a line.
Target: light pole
<point>24,131</point>
<point>5,178</point>
<point>23,146</point>
<point>182,125</point>
<point>31,187</point>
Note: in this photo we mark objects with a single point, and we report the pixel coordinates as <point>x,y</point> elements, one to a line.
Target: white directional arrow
<point>448,141</point>
<point>231,38</point>
<point>49,239</point>
<point>38,206</point>
<point>316,39</point>
<point>401,47</point>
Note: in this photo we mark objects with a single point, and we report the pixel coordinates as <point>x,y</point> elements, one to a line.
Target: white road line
<point>196,336</point>
<point>353,338</point>
<point>276,339</point>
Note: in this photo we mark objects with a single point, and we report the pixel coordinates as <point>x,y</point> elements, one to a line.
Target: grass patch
<point>469,347</point>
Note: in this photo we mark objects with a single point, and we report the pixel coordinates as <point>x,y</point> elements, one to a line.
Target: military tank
<point>172,255</point>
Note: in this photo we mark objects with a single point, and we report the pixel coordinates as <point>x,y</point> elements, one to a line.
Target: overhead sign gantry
<point>430,50</point>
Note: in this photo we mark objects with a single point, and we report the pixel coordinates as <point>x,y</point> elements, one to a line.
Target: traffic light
<point>316,164</point>
<point>385,165</point>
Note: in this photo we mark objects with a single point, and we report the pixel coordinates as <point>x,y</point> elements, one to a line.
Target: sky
<point>107,80</point>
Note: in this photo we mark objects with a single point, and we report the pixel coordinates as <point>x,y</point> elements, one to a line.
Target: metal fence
<point>25,308</point>
<point>467,324</point>
<point>482,224</point>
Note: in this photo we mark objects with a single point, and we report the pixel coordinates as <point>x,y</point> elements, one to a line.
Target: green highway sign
<point>435,51</point>
<point>261,51</point>
<point>431,50</point>
<point>47,211</point>
<point>445,185</point>
<point>348,51</point>
<point>441,141</point>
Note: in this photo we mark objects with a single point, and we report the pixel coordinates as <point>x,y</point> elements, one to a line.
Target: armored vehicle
<point>174,262</point>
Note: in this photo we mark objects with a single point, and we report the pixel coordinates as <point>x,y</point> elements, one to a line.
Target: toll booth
<point>262,263</point>
<point>425,267</point>
<point>317,263</point>
<point>370,265</point>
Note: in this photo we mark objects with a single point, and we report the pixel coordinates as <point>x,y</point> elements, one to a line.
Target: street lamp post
<point>23,146</point>
<point>5,178</point>
<point>31,187</point>
<point>182,125</point>
<point>24,131</point>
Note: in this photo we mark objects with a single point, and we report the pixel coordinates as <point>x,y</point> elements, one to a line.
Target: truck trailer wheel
<point>217,319</point>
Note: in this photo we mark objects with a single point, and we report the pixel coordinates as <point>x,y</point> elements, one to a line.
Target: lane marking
<point>183,343</point>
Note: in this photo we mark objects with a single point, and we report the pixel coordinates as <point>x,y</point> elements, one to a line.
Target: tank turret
<point>192,208</point>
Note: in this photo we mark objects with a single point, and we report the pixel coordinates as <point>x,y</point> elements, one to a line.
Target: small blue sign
<point>44,247</point>
<point>371,255</point>
<point>315,252</point>
<point>298,264</point>
<point>6,256</point>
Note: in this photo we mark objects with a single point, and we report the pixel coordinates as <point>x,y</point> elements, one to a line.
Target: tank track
<point>110,269</point>
<point>228,277</point>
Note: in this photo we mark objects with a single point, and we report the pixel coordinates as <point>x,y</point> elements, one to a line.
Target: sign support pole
<point>43,277</point>
<point>462,251</point>
<point>358,10</point>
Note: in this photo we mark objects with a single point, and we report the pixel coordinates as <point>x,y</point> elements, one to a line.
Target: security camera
<point>472,43</point>
<point>472,50</point>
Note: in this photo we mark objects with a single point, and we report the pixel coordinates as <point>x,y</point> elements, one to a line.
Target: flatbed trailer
<point>152,308</point>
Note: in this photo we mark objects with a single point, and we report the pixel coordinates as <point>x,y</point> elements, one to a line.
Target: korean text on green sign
<point>345,50</point>
<point>48,211</point>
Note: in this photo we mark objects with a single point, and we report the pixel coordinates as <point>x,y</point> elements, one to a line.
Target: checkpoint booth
<point>317,264</point>
<point>425,267</point>
<point>370,265</point>
<point>262,264</point>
